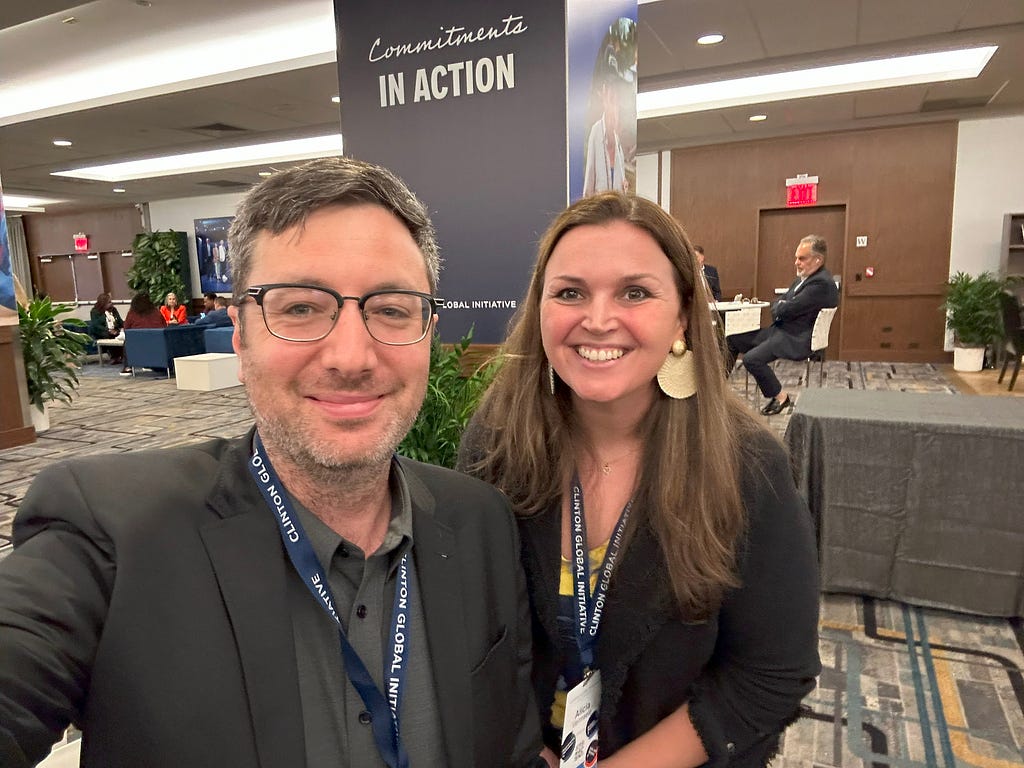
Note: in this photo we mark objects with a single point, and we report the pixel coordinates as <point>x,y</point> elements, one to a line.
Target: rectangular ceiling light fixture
<point>27,203</point>
<point>819,81</point>
<point>211,160</point>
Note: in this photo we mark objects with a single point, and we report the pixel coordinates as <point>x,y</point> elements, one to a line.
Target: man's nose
<point>349,347</point>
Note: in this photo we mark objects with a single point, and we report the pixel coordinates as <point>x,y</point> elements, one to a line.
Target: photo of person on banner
<point>611,143</point>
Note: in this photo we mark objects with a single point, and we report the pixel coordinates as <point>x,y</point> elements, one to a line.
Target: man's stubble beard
<point>318,459</point>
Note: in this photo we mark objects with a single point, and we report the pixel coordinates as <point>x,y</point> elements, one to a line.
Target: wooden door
<point>778,234</point>
<point>115,266</point>
<point>56,278</point>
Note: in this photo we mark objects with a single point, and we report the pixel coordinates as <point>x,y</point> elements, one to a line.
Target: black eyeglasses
<point>296,312</point>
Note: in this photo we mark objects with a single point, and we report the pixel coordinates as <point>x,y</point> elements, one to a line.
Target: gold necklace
<point>606,467</point>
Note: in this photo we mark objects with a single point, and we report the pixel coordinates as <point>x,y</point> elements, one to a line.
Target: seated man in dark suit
<point>793,316</point>
<point>299,596</point>
<point>710,274</point>
<point>218,316</point>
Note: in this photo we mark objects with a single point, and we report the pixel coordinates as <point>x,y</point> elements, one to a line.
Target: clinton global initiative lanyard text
<point>384,713</point>
<point>589,608</point>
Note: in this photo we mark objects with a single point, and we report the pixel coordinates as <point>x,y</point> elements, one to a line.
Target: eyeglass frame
<point>257,293</point>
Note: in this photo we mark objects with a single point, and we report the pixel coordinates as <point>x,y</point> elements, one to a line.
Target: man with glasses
<point>298,597</point>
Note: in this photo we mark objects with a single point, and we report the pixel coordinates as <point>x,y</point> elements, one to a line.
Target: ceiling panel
<point>989,13</point>
<point>887,20</point>
<point>761,35</point>
<point>785,25</point>
<point>13,13</point>
<point>677,25</point>
<point>890,101</point>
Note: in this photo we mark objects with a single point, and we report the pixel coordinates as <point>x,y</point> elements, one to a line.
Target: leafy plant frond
<point>50,351</point>
<point>973,310</point>
<point>157,267</point>
<point>451,400</point>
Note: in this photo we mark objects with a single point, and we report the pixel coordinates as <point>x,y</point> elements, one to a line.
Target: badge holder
<point>579,733</point>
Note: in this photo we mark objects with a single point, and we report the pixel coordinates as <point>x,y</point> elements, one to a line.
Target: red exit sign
<point>801,190</point>
<point>81,242</point>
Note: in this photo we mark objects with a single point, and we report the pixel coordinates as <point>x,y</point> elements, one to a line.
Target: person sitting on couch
<point>218,317</point>
<point>105,323</point>
<point>142,313</point>
<point>173,312</point>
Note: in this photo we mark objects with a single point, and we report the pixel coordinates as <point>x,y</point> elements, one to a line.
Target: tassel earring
<point>551,379</point>
<point>678,374</point>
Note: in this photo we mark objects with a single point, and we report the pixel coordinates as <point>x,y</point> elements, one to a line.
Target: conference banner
<point>466,101</point>
<point>602,76</point>
<point>8,306</point>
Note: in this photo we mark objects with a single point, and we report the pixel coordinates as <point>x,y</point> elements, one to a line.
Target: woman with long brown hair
<point>670,561</point>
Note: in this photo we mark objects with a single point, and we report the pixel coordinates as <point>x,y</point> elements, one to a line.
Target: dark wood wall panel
<point>51,246</point>
<point>109,229</point>
<point>897,187</point>
<point>115,267</point>
<point>904,329</point>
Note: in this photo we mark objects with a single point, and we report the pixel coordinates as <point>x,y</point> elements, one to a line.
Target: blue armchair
<point>157,347</point>
<point>219,339</point>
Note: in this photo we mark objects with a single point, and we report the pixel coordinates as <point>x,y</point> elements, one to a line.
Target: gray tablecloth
<point>917,497</point>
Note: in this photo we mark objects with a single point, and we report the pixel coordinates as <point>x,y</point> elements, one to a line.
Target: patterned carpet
<point>900,686</point>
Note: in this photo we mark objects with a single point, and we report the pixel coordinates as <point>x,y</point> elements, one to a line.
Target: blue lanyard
<point>384,713</point>
<point>589,608</point>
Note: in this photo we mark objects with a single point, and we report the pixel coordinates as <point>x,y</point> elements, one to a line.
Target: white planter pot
<point>968,359</point>
<point>40,419</point>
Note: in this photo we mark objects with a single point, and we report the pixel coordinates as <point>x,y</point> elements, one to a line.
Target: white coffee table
<point>109,344</point>
<point>206,372</point>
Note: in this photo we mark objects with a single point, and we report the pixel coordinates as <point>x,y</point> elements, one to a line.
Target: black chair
<point>1013,336</point>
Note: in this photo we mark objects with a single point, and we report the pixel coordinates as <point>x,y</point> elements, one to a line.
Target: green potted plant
<point>452,397</point>
<point>158,268</point>
<point>973,315</point>
<point>51,353</point>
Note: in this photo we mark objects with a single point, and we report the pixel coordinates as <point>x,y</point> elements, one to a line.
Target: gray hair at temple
<point>818,246</point>
<point>289,197</point>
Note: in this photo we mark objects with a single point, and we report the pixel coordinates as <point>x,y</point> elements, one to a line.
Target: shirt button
<point>365,717</point>
<point>343,551</point>
<point>361,611</point>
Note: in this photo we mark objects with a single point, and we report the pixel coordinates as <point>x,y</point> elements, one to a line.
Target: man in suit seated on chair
<point>793,316</point>
<point>711,278</point>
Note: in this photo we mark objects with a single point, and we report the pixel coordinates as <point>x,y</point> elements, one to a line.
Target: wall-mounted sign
<point>81,242</point>
<point>801,190</point>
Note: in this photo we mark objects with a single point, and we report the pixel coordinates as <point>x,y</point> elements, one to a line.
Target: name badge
<point>579,733</point>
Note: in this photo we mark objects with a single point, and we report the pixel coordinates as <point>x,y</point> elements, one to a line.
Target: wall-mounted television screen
<point>212,254</point>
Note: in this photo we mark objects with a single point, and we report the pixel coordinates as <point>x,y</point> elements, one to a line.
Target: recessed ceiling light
<point>839,78</point>
<point>212,159</point>
<point>119,189</point>
<point>264,174</point>
<point>69,20</point>
<point>757,118</point>
<point>61,143</point>
<point>710,39</point>
<point>336,99</point>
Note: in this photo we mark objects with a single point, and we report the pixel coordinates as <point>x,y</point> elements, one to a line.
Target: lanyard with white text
<point>384,713</point>
<point>589,609</point>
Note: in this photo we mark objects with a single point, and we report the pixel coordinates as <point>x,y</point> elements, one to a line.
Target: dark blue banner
<point>466,101</point>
